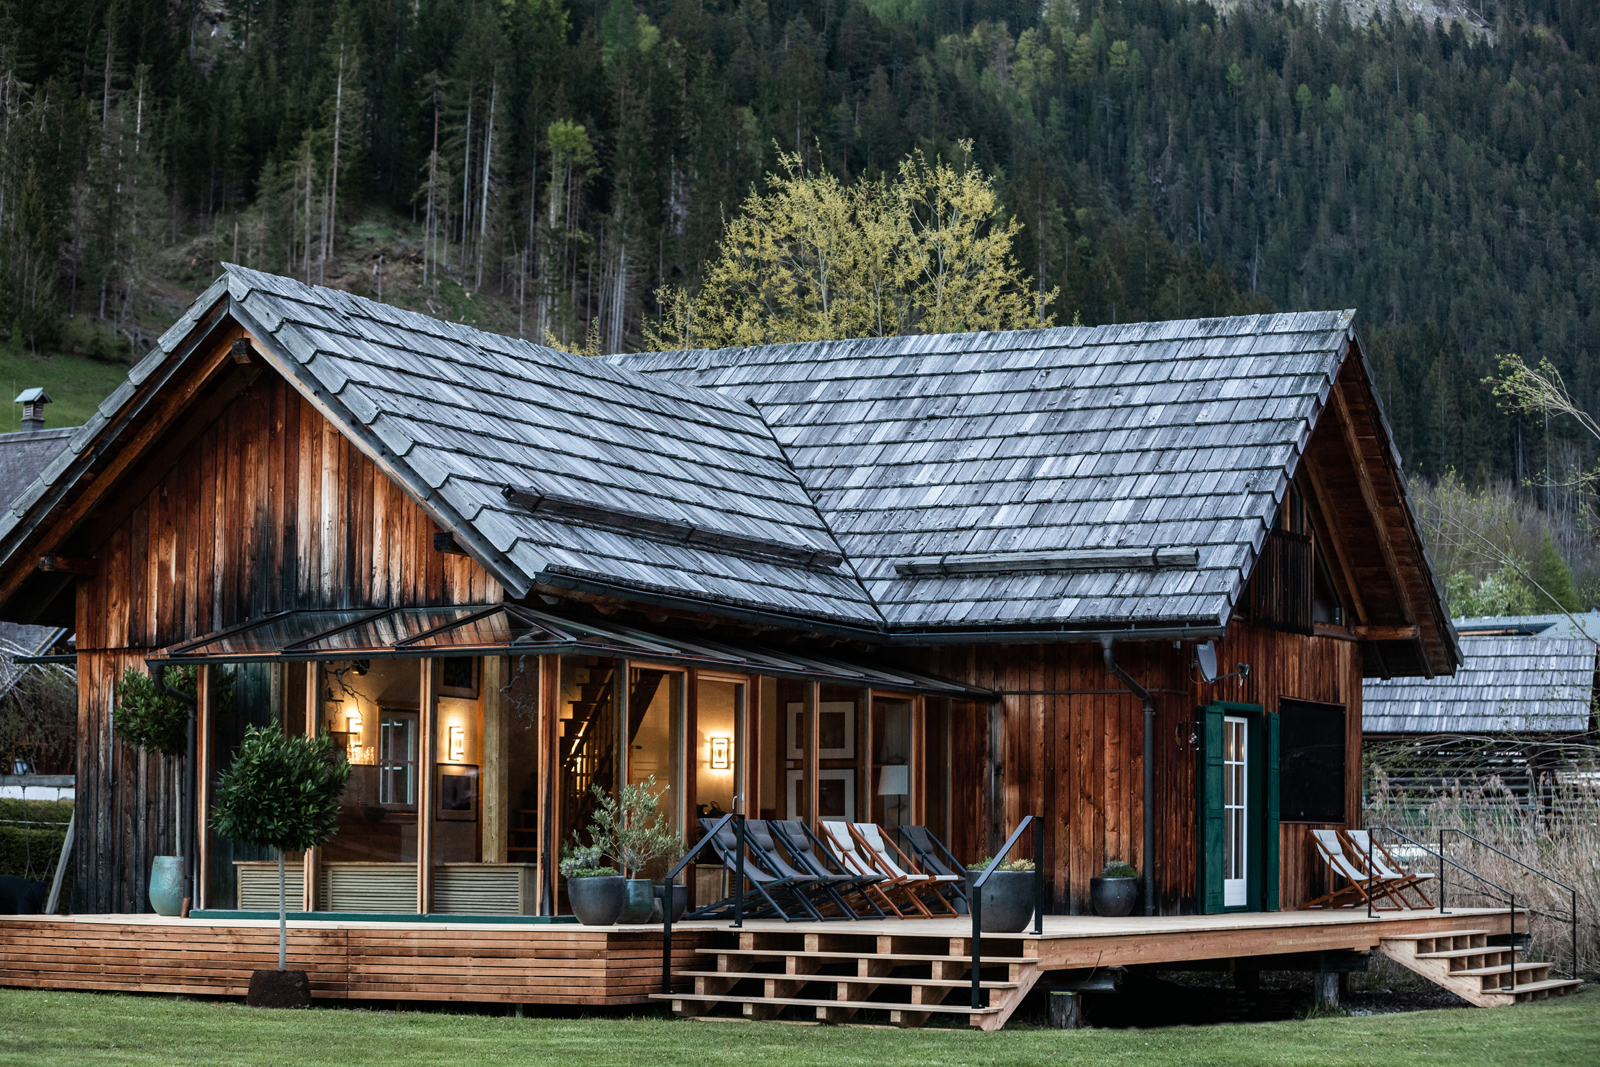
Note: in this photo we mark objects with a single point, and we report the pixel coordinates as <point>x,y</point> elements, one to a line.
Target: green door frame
<point>1261,792</point>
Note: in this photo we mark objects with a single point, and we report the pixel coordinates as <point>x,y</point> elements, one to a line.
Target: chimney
<point>33,402</point>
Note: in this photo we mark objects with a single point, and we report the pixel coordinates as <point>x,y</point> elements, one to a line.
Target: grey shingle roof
<point>1157,435</point>
<point>1504,684</point>
<point>23,455</point>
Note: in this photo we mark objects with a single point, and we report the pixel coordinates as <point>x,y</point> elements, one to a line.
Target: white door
<point>1235,833</point>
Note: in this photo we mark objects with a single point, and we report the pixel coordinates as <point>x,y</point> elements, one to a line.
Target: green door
<point>1260,839</point>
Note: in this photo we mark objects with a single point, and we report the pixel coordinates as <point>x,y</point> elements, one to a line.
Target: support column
<point>549,780</point>
<point>311,862</point>
<point>496,803</point>
<point>748,751</point>
<point>202,775</point>
<point>427,744</point>
<point>809,760</point>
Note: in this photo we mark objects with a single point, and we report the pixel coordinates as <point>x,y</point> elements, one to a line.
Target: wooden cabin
<point>948,581</point>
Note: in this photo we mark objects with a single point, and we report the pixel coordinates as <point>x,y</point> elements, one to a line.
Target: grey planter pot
<point>597,901</point>
<point>166,885</point>
<point>1113,897</point>
<point>680,902</point>
<point>1007,901</point>
<point>639,901</point>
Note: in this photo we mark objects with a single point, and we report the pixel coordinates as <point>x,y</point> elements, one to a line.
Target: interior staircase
<point>1464,962</point>
<point>834,977</point>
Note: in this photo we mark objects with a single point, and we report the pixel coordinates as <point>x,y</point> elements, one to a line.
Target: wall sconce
<point>458,744</point>
<point>721,754</point>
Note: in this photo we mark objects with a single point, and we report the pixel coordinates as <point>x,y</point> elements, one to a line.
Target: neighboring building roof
<point>1504,685</point>
<point>23,455</point>
<point>1170,435</point>
<point>1039,482</point>
<point>1586,624</point>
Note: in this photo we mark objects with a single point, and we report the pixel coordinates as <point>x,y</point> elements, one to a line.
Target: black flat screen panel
<point>1311,748</point>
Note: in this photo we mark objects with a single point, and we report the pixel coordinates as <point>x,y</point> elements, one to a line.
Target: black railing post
<point>738,888</point>
<point>975,905</point>
<point>1371,882</point>
<point>667,903</point>
<point>1444,870</point>
<point>1574,933</point>
<point>1038,875</point>
<point>1513,940</point>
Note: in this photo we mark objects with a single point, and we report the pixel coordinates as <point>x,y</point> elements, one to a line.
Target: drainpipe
<point>1106,644</point>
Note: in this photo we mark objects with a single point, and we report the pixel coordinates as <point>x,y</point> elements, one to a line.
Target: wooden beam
<point>747,757</point>
<point>549,838</point>
<point>813,738</point>
<point>85,566</point>
<point>1386,633</point>
<point>496,803</point>
<point>1370,495</point>
<point>1327,518</point>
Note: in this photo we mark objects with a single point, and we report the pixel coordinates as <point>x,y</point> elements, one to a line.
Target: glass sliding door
<point>655,740</point>
<point>588,755</point>
<point>892,768</point>
<point>718,745</point>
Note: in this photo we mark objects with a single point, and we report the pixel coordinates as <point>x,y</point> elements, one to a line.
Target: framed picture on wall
<point>836,730</point>
<point>836,794</point>
<point>458,793</point>
<point>458,677</point>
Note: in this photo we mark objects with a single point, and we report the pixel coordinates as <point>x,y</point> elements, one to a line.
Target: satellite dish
<point>1206,656</point>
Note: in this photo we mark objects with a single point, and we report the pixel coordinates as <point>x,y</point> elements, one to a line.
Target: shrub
<point>149,718</point>
<point>1119,869</point>
<point>1008,865</point>
<point>583,861</point>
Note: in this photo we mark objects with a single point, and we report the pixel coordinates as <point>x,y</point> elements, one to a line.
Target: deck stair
<point>1464,962</point>
<point>833,977</point>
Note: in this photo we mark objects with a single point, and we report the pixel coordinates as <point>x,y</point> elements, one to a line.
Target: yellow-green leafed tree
<point>812,259</point>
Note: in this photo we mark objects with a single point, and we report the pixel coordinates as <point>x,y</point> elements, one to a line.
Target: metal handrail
<point>975,903</point>
<point>672,877</point>
<point>1572,919</point>
<point>1444,860</point>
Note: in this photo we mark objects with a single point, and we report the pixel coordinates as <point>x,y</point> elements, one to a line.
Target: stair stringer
<point>1463,962</point>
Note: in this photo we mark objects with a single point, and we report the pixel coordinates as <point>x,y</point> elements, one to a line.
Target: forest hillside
<point>541,167</point>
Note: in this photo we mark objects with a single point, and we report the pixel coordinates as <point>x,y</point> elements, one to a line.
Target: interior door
<point>1235,810</point>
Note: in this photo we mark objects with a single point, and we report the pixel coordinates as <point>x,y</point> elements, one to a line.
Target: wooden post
<point>919,756</point>
<point>869,787</point>
<point>311,862</point>
<point>1066,1009</point>
<point>549,697</point>
<point>621,697</point>
<point>202,775</point>
<point>809,755</point>
<point>689,758</point>
<point>747,746</point>
<point>496,806</point>
<point>1326,984</point>
<point>425,756</point>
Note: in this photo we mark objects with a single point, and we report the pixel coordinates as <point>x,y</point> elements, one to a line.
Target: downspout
<point>1149,846</point>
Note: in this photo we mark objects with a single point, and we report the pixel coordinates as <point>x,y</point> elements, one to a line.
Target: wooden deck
<point>579,965</point>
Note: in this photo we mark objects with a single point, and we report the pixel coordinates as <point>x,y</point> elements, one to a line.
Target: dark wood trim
<point>85,566</point>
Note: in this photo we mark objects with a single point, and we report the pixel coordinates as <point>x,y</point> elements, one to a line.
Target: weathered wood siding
<point>270,509</point>
<point>1070,746</point>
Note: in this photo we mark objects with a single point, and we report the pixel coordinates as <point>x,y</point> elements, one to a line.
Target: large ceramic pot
<point>640,901</point>
<point>1007,901</point>
<point>680,902</point>
<point>1113,897</point>
<point>597,901</point>
<point>166,885</point>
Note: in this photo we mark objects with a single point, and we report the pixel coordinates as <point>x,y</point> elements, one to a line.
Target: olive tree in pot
<point>281,793</point>
<point>1114,893</point>
<point>154,714</point>
<point>1007,895</point>
<point>630,830</point>
<point>594,889</point>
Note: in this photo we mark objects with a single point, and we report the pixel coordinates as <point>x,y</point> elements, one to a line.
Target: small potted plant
<point>1007,895</point>
<point>594,888</point>
<point>1113,893</point>
<point>629,830</point>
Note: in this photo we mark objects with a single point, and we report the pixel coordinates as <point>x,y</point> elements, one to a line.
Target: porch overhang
<point>514,630</point>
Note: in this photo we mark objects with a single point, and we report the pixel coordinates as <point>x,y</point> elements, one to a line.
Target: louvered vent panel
<point>482,889</point>
<point>257,886</point>
<point>369,887</point>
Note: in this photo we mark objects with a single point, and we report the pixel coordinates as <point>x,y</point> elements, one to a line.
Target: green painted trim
<point>388,917</point>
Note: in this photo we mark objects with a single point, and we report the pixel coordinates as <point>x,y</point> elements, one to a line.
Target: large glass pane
<point>716,746</point>
<point>936,767</point>
<point>892,771</point>
<point>521,779</point>
<point>842,763</point>
<point>587,749</point>
<point>655,739</point>
<point>792,737</point>
<point>373,707</point>
<point>270,636</point>
<point>460,887</point>
<point>241,696</point>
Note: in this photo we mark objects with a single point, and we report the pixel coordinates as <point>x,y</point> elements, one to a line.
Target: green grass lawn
<point>76,386</point>
<point>42,1028</point>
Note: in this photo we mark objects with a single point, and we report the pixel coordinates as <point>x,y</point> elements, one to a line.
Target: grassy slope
<point>42,1028</point>
<point>76,385</point>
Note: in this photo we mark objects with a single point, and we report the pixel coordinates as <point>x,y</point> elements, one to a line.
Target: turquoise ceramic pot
<point>166,885</point>
<point>641,901</point>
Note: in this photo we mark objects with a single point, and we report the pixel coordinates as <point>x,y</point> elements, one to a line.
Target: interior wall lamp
<point>458,744</point>
<point>721,753</point>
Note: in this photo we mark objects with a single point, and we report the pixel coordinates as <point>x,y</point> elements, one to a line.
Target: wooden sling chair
<point>1386,867</point>
<point>932,856</point>
<point>1363,888</point>
<point>816,891</point>
<point>769,891</point>
<point>888,888</point>
<point>812,855</point>
<point>886,856</point>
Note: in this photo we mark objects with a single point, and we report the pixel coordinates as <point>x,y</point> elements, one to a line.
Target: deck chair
<point>814,891</point>
<point>933,857</point>
<point>769,892</point>
<point>1362,887</point>
<point>812,855</point>
<point>886,856</point>
<point>890,889</point>
<point>1386,867</point>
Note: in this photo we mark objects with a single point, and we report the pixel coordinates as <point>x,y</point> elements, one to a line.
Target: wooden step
<point>1459,953</point>
<point>859,1005</point>
<point>1539,990</point>
<point>851,979</point>
<point>1475,972</point>
<point>765,953</point>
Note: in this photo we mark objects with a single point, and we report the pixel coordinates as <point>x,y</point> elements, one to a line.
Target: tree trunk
<point>283,918</point>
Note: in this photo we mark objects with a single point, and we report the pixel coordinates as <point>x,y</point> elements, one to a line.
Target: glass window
<point>717,746</point>
<point>655,739</point>
<point>791,739</point>
<point>936,767</point>
<point>397,759</point>
<point>1311,761</point>
<point>892,770</point>
<point>587,749</point>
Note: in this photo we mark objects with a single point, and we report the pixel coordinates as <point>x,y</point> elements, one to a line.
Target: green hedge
<point>30,851</point>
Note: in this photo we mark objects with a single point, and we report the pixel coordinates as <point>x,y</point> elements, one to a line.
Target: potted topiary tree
<point>1007,895</point>
<point>628,829</point>
<point>153,713</point>
<point>594,889</point>
<point>281,793</point>
<point>1113,893</point>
